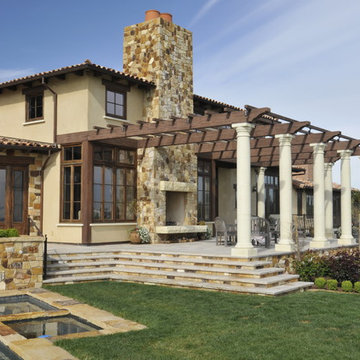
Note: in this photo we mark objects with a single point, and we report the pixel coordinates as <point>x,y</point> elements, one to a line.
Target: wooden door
<point>13,198</point>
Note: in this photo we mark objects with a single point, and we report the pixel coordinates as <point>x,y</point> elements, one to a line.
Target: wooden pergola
<point>264,139</point>
<point>213,136</point>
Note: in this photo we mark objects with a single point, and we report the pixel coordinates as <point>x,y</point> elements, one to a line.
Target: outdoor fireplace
<point>180,201</point>
<point>175,208</point>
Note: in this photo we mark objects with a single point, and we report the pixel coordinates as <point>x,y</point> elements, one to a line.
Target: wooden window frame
<point>30,93</point>
<point>205,175</point>
<point>114,165</point>
<point>70,164</point>
<point>119,89</point>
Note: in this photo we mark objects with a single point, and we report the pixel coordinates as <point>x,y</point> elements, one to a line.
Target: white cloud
<point>205,9</point>
<point>10,74</point>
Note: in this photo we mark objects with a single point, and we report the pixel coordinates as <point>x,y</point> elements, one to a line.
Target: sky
<point>300,58</point>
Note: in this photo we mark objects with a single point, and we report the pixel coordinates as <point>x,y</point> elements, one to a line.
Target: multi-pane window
<point>114,186</point>
<point>34,105</point>
<point>309,204</point>
<point>71,183</point>
<point>116,104</point>
<point>204,197</point>
<point>272,204</point>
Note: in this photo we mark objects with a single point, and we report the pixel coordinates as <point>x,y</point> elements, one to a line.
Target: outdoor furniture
<point>274,223</point>
<point>225,234</point>
<point>260,231</point>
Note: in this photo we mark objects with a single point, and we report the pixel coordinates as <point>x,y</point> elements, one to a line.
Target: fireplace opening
<point>175,208</point>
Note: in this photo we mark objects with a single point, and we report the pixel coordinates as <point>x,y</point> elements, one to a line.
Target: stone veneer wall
<point>161,52</point>
<point>175,164</point>
<point>21,262</point>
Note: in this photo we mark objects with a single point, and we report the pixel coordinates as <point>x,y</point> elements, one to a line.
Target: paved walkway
<point>204,247</point>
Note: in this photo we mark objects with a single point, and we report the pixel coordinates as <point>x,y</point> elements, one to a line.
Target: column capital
<point>243,129</point>
<point>284,139</point>
<point>345,154</point>
<point>328,166</point>
<point>262,169</point>
<point>318,147</point>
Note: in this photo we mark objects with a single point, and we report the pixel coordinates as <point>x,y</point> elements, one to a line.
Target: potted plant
<point>139,235</point>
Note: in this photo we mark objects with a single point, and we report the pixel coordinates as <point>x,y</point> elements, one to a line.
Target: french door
<point>13,198</point>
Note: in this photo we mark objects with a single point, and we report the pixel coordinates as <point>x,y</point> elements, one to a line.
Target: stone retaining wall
<point>21,262</point>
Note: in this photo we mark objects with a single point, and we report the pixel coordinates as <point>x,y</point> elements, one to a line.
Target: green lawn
<point>190,324</point>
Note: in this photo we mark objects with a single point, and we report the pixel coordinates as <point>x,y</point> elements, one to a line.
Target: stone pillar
<point>329,219</point>
<point>261,192</point>
<point>346,228</point>
<point>286,242</point>
<point>319,240</point>
<point>243,247</point>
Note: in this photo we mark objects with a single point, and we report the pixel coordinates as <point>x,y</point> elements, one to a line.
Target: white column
<point>243,247</point>
<point>346,230</point>
<point>329,219</point>
<point>261,192</point>
<point>286,242</point>
<point>319,240</point>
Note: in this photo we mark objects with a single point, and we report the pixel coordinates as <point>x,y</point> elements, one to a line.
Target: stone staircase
<point>178,270</point>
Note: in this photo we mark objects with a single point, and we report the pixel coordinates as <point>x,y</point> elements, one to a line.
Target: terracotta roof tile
<point>215,102</point>
<point>15,143</point>
<point>87,64</point>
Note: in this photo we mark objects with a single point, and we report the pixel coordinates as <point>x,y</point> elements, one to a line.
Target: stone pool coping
<point>44,349</point>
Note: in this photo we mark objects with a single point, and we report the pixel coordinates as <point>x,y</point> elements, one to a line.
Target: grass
<point>190,324</point>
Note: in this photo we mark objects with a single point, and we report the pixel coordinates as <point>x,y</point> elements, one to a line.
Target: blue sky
<point>300,58</point>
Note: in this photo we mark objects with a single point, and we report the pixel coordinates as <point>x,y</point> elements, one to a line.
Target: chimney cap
<point>166,16</point>
<point>151,14</point>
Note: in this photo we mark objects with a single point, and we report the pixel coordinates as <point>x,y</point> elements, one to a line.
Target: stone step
<point>253,273</point>
<point>272,291</point>
<point>161,259</point>
<point>90,252</point>
<point>179,275</point>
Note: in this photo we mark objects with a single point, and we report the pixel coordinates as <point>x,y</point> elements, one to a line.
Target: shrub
<point>9,233</point>
<point>332,284</point>
<point>344,265</point>
<point>310,266</point>
<point>347,285</point>
<point>320,282</point>
<point>357,286</point>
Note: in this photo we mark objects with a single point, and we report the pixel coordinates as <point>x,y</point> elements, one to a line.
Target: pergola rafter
<point>215,138</point>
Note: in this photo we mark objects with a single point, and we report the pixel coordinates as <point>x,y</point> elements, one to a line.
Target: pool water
<point>49,327</point>
<point>22,304</point>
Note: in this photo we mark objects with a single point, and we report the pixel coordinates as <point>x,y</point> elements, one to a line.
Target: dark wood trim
<point>16,160</point>
<point>87,191</point>
<point>36,90</point>
<point>123,93</point>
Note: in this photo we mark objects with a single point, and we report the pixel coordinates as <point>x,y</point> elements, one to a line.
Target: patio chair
<point>222,234</point>
<point>260,231</point>
<point>274,222</point>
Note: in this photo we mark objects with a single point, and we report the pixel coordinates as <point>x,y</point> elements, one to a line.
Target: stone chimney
<point>160,51</point>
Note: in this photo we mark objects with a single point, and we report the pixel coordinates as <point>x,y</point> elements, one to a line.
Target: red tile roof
<point>215,102</point>
<point>86,65</point>
<point>37,146</point>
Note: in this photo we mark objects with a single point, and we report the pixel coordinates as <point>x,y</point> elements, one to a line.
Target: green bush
<point>332,284</point>
<point>8,233</point>
<point>347,285</point>
<point>357,287</point>
<point>320,282</point>
<point>311,266</point>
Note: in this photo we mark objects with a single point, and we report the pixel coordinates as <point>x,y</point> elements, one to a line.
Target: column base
<point>346,240</point>
<point>244,252</point>
<point>287,246</point>
<point>319,243</point>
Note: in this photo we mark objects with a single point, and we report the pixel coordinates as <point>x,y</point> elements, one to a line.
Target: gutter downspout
<point>55,107</point>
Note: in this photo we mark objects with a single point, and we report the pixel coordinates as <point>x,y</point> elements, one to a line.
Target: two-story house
<point>62,165</point>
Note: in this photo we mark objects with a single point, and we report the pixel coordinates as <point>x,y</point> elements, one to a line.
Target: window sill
<point>106,117</point>
<point>114,224</point>
<point>33,122</point>
<point>69,225</point>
